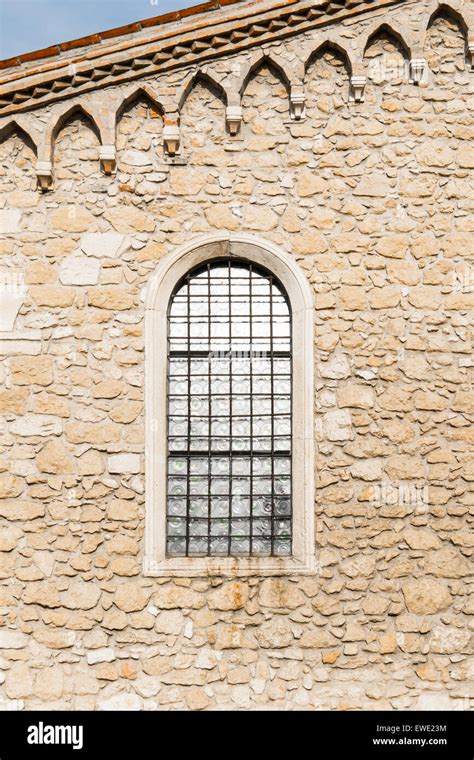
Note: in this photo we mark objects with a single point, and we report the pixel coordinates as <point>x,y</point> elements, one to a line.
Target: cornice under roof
<point>149,47</point>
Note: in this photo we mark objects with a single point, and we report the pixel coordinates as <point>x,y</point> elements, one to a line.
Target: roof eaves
<point>119,31</point>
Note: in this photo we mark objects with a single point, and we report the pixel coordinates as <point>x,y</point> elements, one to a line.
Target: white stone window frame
<point>170,270</point>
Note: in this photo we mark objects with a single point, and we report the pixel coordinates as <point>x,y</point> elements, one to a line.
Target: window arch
<point>229,410</point>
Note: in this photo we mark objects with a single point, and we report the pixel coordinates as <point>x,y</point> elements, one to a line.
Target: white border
<point>167,274</point>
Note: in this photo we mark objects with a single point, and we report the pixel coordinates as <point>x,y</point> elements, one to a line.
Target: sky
<point>27,25</point>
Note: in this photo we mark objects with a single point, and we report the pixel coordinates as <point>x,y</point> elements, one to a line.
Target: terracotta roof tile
<point>119,31</point>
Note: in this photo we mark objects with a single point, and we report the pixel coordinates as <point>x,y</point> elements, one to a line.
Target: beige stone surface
<point>373,201</point>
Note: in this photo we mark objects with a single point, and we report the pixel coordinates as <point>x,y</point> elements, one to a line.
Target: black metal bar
<point>209,462</point>
<point>229,264</point>
<point>251,408</point>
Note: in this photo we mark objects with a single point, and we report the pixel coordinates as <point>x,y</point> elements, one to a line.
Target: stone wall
<point>375,202</point>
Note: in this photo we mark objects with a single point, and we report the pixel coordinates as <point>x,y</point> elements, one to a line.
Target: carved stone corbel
<point>107,157</point>
<point>417,70</point>
<point>297,102</point>
<point>233,117</point>
<point>171,137</point>
<point>358,82</point>
<point>470,47</point>
<point>44,173</point>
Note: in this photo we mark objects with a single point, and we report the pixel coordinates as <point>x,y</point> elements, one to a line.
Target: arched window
<point>229,452</point>
<point>229,413</point>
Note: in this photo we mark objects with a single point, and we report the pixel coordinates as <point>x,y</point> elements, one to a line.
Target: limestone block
<point>230,596</point>
<point>124,463</point>
<point>82,595</point>
<point>10,221</point>
<point>426,596</point>
<point>36,424</point>
<point>54,458</point>
<point>104,654</point>
<point>275,634</point>
<point>50,295</point>
<point>10,485</point>
<point>337,368</point>
<point>19,681</point>
<point>49,683</point>
<point>55,638</point>
<point>375,185</point>
<point>220,215</point>
<point>417,538</point>
<point>337,425</point>
<point>449,640</point>
<point>91,463</point>
<point>122,701</point>
<point>126,219</point>
<point>9,537</point>
<point>279,593</point>
<point>110,297</point>
<point>136,158</point>
<point>177,597</point>
<point>131,597</point>
<point>11,639</point>
<point>21,509</point>
<point>79,270</point>
<point>103,244</point>
<point>356,396</point>
<point>72,219</point>
<point>13,401</point>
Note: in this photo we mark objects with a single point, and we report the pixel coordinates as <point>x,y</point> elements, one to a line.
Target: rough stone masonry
<point>345,136</point>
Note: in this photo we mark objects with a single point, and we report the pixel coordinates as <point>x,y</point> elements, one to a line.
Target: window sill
<point>227,566</point>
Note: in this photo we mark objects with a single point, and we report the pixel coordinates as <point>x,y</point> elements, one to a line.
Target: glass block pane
<point>220,465</point>
<point>198,527</point>
<point>176,506</point>
<point>240,486</point>
<point>282,528</point>
<point>240,546</point>
<point>282,547</point>
<point>176,547</point>
<point>219,527</point>
<point>241,506</point>
<point>220,507</point>
<point>199,405</point>
<point>262,528</point>
<point>241,444</point>
<point>220,486</point>
<point>261,506</point>
<point>220,406</point>
<point>198,486</point>
<point>199,506</point>
<point>262,466</point>
<point>197,547</point>
<point>262,485</point>
<point>282,485</point>
<point>262,546</point>
<point>176,526</point>
<point>198,466</point>
<point>177,486</point>
<point>219,547</point>
<point>282,506</point>
<point>241,466</point>
<point>282,466</point>
<point>199,426</point>
<point>177,444</point>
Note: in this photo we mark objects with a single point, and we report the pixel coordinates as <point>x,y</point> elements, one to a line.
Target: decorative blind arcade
<point>229,413</point>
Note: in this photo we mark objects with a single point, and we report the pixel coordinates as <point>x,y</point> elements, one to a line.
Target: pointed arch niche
<point>171,270</point>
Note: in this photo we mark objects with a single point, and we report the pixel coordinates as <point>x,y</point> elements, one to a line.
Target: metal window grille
<point>229,413</point>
